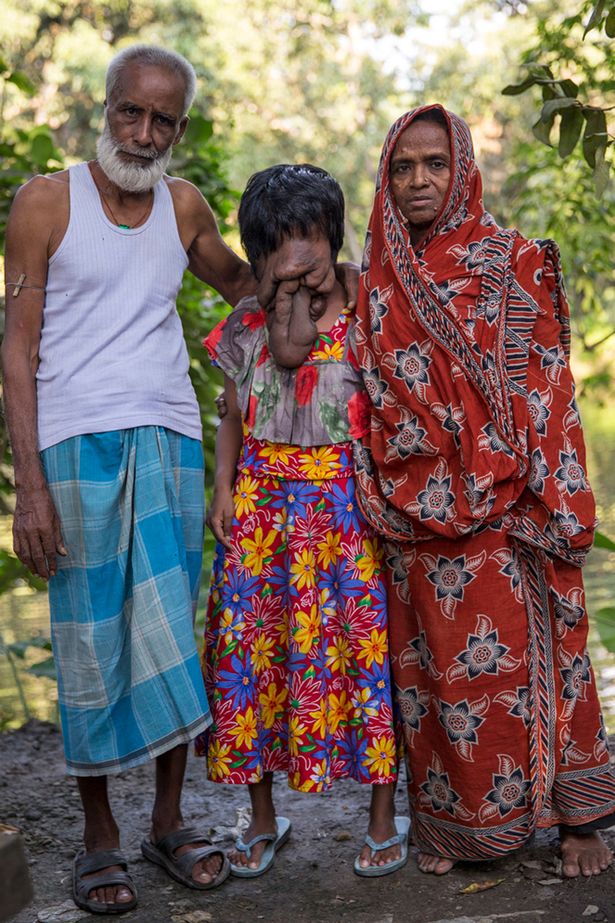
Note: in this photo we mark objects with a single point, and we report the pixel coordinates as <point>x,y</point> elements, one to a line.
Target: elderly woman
<point>474,470</point>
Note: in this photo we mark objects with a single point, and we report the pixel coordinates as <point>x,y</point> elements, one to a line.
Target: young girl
<point>296,654</point>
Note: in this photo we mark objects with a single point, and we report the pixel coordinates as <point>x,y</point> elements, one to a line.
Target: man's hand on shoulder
<point>210,259</point>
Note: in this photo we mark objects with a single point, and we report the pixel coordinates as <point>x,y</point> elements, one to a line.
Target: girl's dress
<point>296,656</point>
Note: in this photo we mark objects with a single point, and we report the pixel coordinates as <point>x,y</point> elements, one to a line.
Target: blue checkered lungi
<point>122,603</point>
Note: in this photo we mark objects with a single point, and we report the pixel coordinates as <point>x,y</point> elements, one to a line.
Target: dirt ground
<point>312,880</point>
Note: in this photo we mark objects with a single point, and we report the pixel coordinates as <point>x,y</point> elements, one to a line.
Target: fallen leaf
<point>532,864</point>
<point>342,836</point>
<point>590,910</point>
<point>477,886</point>
<point>551,881</point>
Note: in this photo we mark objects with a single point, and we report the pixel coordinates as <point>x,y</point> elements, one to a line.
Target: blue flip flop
<point>274,842</point>
<point>402,825</point>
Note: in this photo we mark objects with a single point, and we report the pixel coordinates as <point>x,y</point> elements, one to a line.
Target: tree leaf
<point>605,622</point>
<point>595,17</point>
<point>601,171</point>
<point>514,89</point>
<point>570,130</point>
<point>45,668</point>
<point>542,130</point>
<point>552,106</point>
<point>24,83</point>
<point>609,26</point>
<point>595,133</point>
<point>603,541</point>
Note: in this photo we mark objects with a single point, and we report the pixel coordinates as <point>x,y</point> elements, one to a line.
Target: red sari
<point>474,470</point>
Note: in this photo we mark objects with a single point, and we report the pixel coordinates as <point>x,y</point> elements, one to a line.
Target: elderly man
<point>106,440</point>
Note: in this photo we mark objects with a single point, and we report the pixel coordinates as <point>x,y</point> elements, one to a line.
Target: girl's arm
<point>229,440</point>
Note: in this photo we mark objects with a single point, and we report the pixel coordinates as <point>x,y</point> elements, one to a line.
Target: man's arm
<point>37,537</point>
<point>211,260</point>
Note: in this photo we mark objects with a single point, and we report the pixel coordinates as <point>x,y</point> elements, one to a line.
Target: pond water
<point>24,613</point>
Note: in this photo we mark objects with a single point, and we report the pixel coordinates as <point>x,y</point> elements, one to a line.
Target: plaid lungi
<point>123,601</point>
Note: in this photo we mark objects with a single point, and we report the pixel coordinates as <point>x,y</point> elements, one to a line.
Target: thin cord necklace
<point>124,227</point>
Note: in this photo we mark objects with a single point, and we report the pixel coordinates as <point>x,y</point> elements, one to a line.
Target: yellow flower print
<point>327,351</point>
<point>338,654</point>
<point>319,462</point>
<point>219,759</point>
<point>262,653</point>
<point>280,521</point>
<point>258,550</point>
<point>320,719</point>
<point>297,785</point>
<point>276,452</point>
<point>272,704</point>
<point>361,704</point>
<point>230,624</point>
<point>381,757</point>
<point>246,491</point>
<point>309,627</point>
<point>320,776</point>
<point>296,730</point>
<point>282,630</point>
<point>245,729</point>
<point>338,710</point>
<point>329,550</point>
<point>303,569</point>
<point>370,562</point>
<point>373,649</point>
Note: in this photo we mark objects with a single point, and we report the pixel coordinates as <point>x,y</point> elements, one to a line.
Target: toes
<point>571,869</point>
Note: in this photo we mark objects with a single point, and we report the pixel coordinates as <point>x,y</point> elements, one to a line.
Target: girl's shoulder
<point>233,342</point>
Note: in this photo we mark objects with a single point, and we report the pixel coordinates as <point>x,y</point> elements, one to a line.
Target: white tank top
<point>112,352</point>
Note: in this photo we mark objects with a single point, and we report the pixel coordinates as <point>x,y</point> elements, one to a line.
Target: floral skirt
<point>296,658</point>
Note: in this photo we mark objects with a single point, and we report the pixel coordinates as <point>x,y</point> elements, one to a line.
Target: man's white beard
<point>130,177</point>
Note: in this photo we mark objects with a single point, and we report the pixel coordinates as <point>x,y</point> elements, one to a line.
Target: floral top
<point>323,402</point>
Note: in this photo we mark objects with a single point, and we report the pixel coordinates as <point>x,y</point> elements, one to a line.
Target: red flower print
<point>251,418</point>
<point>307,376</point>
<point>263,356</point>
<point>212,339</point>
<point>254,319</point>
<point>359,414</point>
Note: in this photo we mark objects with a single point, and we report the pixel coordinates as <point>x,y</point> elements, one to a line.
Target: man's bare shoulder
<point>184,192</point>
<point>43,191</point>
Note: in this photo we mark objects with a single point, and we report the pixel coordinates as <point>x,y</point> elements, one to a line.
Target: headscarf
<point>460,309</point>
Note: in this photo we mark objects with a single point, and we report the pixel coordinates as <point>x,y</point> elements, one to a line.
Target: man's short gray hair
<point>153,56</point>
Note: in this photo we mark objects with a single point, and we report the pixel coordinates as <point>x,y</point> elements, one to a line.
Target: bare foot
<point>586,854</point>
<point>264,823</point>
<point>434,865</point>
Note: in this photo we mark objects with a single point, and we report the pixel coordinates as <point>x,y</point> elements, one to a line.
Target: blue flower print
<point>411,366</point>
<point>345,509</point>
<point>436,499</point>
<point>239,682</point>
<point>539,470</point>
<point>570,474</point>
<point>538,411</point>
<point>237,592</point>
<point>459,722</point>
<point>438,790</point>
<point>509,791</point>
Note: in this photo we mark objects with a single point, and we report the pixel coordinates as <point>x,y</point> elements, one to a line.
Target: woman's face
<point>420,170</point>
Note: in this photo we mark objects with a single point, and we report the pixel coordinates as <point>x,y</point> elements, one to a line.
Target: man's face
<point>143,121</point>
<point>420,170</point>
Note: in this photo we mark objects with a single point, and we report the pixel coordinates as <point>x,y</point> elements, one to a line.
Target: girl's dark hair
<point>289,200</point>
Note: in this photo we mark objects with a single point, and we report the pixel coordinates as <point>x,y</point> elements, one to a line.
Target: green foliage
<point>575,74</point>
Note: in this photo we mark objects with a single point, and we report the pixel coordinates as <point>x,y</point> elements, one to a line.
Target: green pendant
<point>124,227</point>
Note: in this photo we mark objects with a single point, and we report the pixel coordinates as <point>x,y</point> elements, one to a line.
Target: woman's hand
<point>220,516</point>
